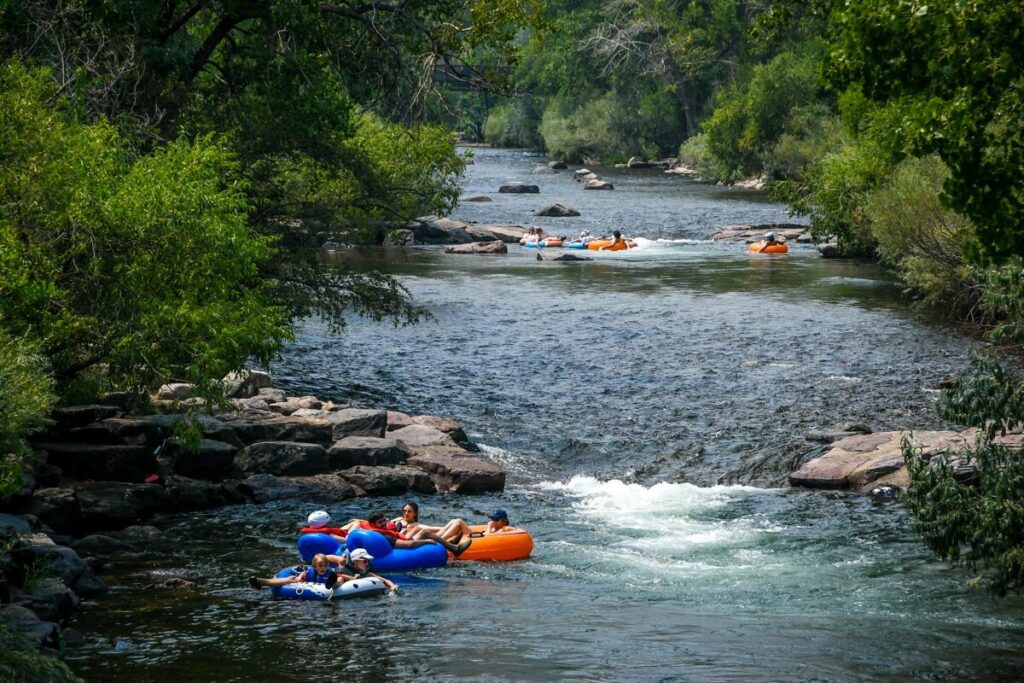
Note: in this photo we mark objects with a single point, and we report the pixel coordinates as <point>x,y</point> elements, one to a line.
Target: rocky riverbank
<point>100,472</point>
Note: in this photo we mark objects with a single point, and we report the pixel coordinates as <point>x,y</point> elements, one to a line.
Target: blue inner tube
<point>365,587</point>
<point>534,245</point>
<point>576,245</point>
<point>385,558</point>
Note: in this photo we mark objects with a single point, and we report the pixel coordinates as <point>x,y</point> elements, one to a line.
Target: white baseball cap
<point>360,554</point>
<point>318,519</point>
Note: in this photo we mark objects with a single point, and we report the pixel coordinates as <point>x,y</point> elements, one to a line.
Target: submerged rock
<point>558,210</point>
<point>477,248</point>
<point>519,188</point>
<point>598,185</point>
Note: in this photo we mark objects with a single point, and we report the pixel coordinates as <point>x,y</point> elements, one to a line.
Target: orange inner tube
<point>511,543</point>
<point>552,242</point>
<point>599,244</point>
<point>760,248</point>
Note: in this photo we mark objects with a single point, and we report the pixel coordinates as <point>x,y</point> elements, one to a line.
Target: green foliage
<point>143,263</point>
<point>22,661</point>
<point>957,68</point>
<point>1002,300</point>
<point>978,523</point>
<point>921,239</point>
<point>26,394</point>
<point>750,117</point>
<point>514,124</point>
<point>834,193</point>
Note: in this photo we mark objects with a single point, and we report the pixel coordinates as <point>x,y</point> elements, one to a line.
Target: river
<point>648,406</point>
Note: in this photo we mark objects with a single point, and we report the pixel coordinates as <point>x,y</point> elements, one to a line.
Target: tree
<point>144,264</point>
<point>958,70</point>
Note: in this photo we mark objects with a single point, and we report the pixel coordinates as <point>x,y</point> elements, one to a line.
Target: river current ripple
<point>648,407</point>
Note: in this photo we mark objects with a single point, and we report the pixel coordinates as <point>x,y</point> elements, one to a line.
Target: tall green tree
<point>957,68</point>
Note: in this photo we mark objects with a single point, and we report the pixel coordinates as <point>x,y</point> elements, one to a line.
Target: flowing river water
<point>648,406</point>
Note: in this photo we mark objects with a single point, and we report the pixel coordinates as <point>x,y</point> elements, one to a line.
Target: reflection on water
<point>638,402</point>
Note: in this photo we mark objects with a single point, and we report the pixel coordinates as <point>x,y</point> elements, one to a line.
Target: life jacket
<point>386,532</point>
<point>310,576</point>
<point>324,530</point>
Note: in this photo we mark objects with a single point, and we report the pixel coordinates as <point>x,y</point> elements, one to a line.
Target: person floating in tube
<point>616,239</point>
<point>770,240</point>
<point>317,523</point>
<point>319,571</point>
<point>378,521</point>
<point>357,563</point>
<point>458,528</point>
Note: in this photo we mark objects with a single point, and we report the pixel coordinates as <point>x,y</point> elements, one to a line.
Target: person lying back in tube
<point>378,521</point>
<point>457,527</point>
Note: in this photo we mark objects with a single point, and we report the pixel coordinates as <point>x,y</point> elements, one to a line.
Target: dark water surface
<point>648,406</point>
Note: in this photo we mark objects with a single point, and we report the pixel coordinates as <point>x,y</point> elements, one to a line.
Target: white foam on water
<point>668,529</point>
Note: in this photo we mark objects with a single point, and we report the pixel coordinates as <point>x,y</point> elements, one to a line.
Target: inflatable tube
<point>760,248</point>
<point>600,244</point>
<point>576,245</point>
<point>388,559</point>
<point>311,544</point>
<point>534,245</point>
<point>509,544</point>
<point>301,590</point>
<point>551,242</point>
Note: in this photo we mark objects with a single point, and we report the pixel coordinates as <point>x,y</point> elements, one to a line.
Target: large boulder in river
<point>56,507</point>
<point>366,450</point>
<point>253,429</point>
<point>44,634</point>
<point>245,383</point>
<point>580,173</point>
<point>598,185</point>
<point>454,469</point>
<point>477,248</point>
<point>447,425</point>
<point>114,505</point>
<point>418,435</point>
<point>210,427</point>
<point>323,489</point>
<point>477,198</point>
<point>139,431</point>
<point>865,461</point>
<point>101,461</point>
<point>357,422</point>
<point>397,420</point>
<point>558,165</point>
<point>558,210</point>
<point>388,481</point>
<point>518,188</point>
<point>211,460</point>
<point>282,458</point>
<point>184,494</point>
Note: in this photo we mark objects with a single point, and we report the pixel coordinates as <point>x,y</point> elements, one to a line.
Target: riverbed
<point>648,406</point>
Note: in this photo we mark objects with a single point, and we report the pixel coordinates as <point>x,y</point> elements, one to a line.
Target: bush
<point>514,125</point>
<point>144,265</point>
<point>921,239</point>
<point>26,395</point>
<point>751,116</point>
<point>23,663</point>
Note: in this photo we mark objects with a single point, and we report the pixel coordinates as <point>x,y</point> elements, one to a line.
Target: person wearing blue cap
<point>457,527</point>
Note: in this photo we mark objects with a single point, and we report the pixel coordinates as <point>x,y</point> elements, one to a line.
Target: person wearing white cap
<point>357,562</point>
<point>317,523</point>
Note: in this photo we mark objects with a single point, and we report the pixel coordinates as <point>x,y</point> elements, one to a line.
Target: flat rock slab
<point>397,420</point>
<point>478,198</point>
<point>357,422</point>
<point>418,435</point>
<point>282,458</point>
<point>458,471</point>
<point>253,429</point>
<point>753,233</point>
<point>325,489</point>
<point>864,461</point>
<point>366,450</point>
<point>211,460</point>
<point>494,247</point>
<point>598,185</point>
<point>388,481</point>
<point>101,461</point>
